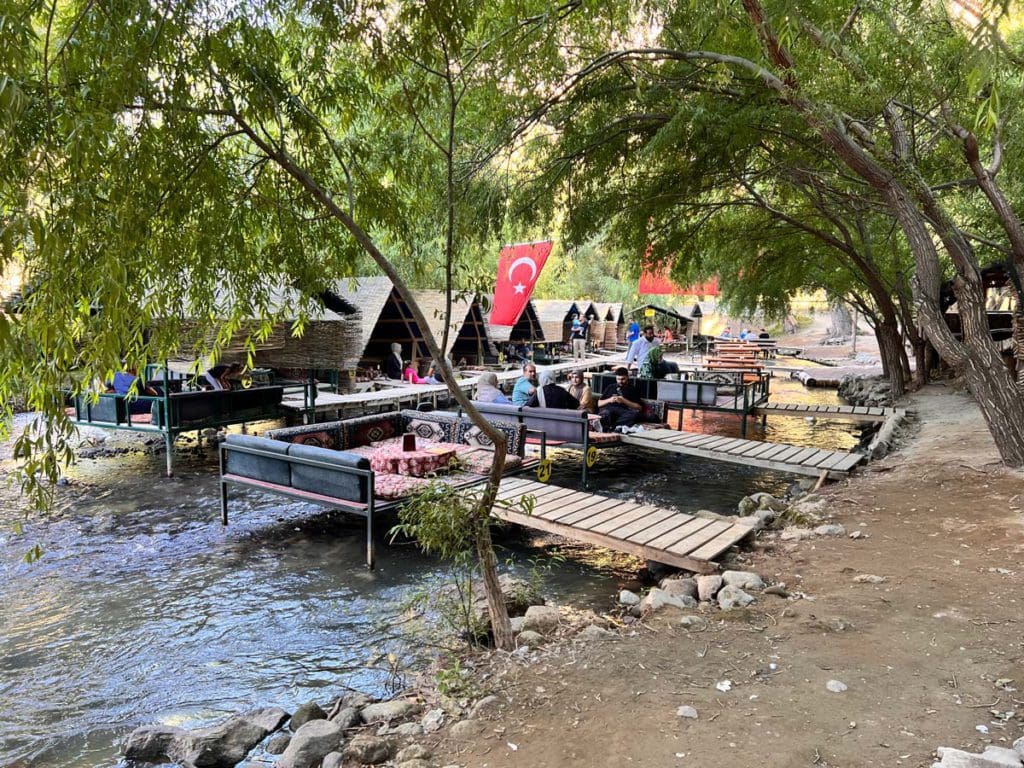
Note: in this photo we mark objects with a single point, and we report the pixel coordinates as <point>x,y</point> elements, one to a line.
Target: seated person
<point>579,389</point>
<point>654,366</point>
<point>409,374</point>
<point>219,376</point>
<point>726,334</point>
<point>122,385</point>
<point>393,363</point>
<point>487,390</point>
<point>744,334</point>
<point>434,374</point>
<point>526,385</point>
<point>550,395</point>
<point>619,405</point>
<point>764,334</point>
<point>667,336</point>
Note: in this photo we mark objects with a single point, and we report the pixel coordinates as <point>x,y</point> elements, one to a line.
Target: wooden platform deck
<point>848,412</point>
<point>396,393</point>
<point>779,456</point>
<point>662,535</point>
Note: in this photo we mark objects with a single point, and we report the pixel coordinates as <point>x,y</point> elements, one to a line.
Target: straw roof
<point>467,326</point>
<point>526,328</point>
<point>554,316</point>
<point>368,295</point>
<point>329,338</point>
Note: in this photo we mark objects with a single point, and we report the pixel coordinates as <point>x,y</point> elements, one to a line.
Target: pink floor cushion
<point>603,438</point>
<point>392,487</point>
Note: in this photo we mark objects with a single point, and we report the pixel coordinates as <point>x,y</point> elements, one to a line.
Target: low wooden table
<point>431,457</point>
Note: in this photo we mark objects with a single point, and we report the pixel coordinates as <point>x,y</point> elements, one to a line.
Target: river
<point>144,608</point>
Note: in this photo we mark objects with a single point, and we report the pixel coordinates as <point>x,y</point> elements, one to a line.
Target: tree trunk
<point>1001,402</point>
<point>894,355</point>
<point>1018,340</point>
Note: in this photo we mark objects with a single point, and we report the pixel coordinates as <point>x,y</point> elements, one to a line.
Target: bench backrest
<point>557,423</point>
<point>302,467</point>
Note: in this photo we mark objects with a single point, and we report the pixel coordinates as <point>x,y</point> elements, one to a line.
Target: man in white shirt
<point>638,353</point>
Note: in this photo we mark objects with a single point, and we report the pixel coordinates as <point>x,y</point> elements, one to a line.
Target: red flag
<point>518,269</point>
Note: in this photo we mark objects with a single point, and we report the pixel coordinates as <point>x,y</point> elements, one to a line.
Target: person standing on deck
<point>526,385</point>
<point>393,364</point>
<point>634,332</point>
<point>578,337</point>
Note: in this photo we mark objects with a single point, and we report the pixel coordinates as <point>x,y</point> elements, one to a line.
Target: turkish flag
<point>518,269</point>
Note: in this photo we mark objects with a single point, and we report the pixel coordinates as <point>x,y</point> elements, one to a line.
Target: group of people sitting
<point>745,334</point>
<point>399,369</point>
<point>128,382</point>
<point>618,408</point>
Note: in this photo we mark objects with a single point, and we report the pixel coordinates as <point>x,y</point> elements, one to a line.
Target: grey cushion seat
<point>263,468</point>
<point>324,480</point>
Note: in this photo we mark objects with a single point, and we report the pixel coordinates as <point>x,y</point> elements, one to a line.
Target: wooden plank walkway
<point>787,458</point>
<point>653,533</point>
<point>849,412</point>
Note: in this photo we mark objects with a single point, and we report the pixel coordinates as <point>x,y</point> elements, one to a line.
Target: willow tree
<point>890,92</point>
<point>160,156</point>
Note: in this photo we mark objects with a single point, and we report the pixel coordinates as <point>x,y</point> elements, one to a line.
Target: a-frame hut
<point>615,326</point>
<point>468,338</point>
<point>555,317</point>
<point>598,323</point>
<point>386,319</point>
<point>330,339</point>
<point>527,328</point>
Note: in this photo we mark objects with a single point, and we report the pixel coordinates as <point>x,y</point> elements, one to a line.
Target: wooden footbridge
<point>756,453</point>
<point>848,412</point>
<point>654,533</point>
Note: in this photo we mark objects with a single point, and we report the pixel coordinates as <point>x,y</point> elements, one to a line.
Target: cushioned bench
<point>329,464</point>
<point>207,408</point>
<point>684,390</point>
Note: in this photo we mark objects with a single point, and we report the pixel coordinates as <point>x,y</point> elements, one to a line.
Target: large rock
<point>488,705</point>
<point>369,750</point>
<point>743,580</point>
<point>529,639</point>
<point>830,529</point>
<point>311,744</point>
<point>333,760</point>
<point>466,729</point>
<point>306,712</point>
<point>541,618</point>
<point>151,743</point>
<point>767,501</point>
<point>347,717</point>
<point>993,757</point>
<point>519,595</point>
<point>385,711</point>
<point>730,597</point>
<point>708,586</point>
<point>680,587</point>
<point>657,599</point>
<point>227,744</point>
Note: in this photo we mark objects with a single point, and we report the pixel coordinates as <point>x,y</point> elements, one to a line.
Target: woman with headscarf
<point>393,365</point>
<point>487,390</point>
<point>649,366</point>
<point>550,395</point>
<point>578,388</point>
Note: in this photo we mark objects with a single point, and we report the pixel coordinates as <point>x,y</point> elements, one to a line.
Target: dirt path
<point>926,655</point>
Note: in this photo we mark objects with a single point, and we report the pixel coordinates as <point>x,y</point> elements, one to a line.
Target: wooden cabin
<point>615,326</point>
<point>527,328</point>
<point>555,317</point>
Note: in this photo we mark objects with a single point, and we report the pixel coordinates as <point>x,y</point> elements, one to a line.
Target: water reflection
<point>145,608</point>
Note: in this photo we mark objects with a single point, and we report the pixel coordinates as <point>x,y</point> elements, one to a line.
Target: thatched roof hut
<point>598,324</point>
<point>329,340</point>
<point>527,327</point>
<point>615,328</point>
<point>386,319</point>
<point>468,337</point>
<point>555,317</point>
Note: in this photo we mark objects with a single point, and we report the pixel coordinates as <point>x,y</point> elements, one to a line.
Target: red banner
<point>519,267</point>
<point>660,283</point>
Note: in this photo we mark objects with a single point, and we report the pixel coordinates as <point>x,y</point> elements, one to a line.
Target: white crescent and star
<point>519,287</point>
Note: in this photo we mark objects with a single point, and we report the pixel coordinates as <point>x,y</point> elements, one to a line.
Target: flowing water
<point>144,608</point>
